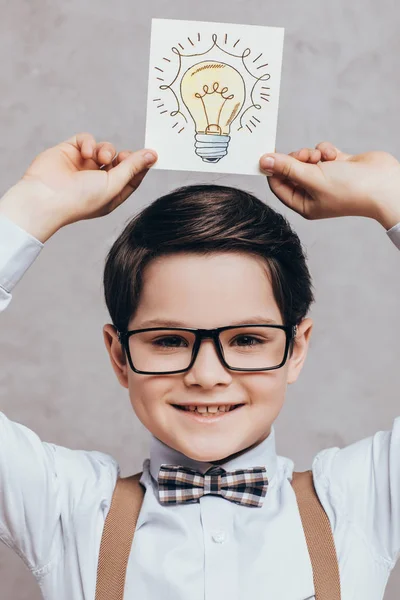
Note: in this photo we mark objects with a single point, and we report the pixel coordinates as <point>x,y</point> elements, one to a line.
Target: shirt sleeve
<point>44,490</point>
<point>361,482</point>
<point>18,250</point>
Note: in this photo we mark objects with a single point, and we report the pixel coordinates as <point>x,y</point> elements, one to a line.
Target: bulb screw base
<point>211,148</point>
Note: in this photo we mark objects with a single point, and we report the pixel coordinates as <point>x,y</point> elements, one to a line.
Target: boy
<point>202,258</point>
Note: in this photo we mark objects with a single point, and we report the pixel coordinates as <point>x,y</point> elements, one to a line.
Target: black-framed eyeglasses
<point>170,350</point>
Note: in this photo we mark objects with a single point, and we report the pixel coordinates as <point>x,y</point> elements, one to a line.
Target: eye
<point>170,341</point>
<point>248,340</point>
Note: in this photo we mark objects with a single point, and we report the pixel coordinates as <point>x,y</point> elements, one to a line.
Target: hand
<point>335,184</point>
<point>76,180</point>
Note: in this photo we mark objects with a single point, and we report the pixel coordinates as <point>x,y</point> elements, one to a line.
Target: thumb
<point>128,169</point>
<point>306,175</point>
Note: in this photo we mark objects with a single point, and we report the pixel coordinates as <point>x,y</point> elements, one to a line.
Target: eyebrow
<point>257,320</point>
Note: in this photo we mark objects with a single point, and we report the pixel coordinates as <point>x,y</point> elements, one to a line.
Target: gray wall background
<point>73,65</point>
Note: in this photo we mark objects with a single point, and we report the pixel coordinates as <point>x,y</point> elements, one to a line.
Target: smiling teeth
<point>208,409</point>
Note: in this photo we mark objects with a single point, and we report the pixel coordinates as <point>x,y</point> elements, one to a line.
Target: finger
<point>328,150</point>
<point>307,155</point>
<point>315,156</point>
<point>84,142</point>
<point>301,154</point>
<point>304,154</point>
<point>307,175</point>
<point>290,195</point>
<point>104,153</point>
<point>122,155</point>
<point>130,187</point>
<point>128,169</point>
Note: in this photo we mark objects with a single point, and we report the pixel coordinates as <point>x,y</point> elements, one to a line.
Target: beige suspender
<point>318,533</point>
<point>121,521</point>
<point>116,541</point>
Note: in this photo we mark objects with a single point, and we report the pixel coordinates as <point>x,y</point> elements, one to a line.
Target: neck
<point>231,456</point>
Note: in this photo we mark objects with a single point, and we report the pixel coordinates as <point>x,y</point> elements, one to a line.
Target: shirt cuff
<point>18,250</point>
<point>394,234</point>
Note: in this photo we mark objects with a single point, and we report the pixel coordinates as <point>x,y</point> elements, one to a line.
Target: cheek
<point>147,393</point>
<point>263,388</point>
<point>266,393</point>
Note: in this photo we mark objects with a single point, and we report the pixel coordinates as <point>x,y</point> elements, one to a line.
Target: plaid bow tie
<point>179,485</point>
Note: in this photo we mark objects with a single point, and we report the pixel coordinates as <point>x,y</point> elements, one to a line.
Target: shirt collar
<point>262,455</point>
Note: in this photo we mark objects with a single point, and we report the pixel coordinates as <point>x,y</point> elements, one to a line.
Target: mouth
<point>207,412</point>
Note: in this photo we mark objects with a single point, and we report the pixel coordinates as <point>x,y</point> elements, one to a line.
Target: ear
<point>116,353</point>
<point>300,349</point>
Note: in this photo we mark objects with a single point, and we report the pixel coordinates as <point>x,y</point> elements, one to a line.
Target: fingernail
<point>149,158</point>
<point>267,165</point>
<point>108,154</point>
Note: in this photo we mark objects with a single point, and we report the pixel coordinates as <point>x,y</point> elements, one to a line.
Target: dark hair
<point>205,219</point>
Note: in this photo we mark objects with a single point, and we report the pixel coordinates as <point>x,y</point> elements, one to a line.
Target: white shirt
<point>54,501</point>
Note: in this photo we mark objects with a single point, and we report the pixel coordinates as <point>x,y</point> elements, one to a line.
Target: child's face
<point>208,292</point>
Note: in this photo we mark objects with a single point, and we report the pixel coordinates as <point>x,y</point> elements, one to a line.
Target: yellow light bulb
<point>213,93</point>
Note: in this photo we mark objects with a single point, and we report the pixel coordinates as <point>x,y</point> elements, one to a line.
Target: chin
<point>210,455</point>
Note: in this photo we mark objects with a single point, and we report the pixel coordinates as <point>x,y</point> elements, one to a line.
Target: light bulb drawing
<point>214,93</point>
<point>216,97</point>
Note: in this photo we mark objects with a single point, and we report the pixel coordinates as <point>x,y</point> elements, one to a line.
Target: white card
<point>213,95</point>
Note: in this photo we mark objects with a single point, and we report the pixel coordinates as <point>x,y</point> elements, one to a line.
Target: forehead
<point>206,291</point>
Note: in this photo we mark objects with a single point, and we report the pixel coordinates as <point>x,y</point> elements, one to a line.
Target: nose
<point>208,369</point>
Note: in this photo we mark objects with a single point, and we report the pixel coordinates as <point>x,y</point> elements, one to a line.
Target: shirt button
<point>219,537</point>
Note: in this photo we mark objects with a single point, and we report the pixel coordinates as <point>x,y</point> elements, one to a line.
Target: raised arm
<point>18,250</point>
<point>41,484</point>
<point>75,180</point>
<point>360,482</point>
<point>324,182</point>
